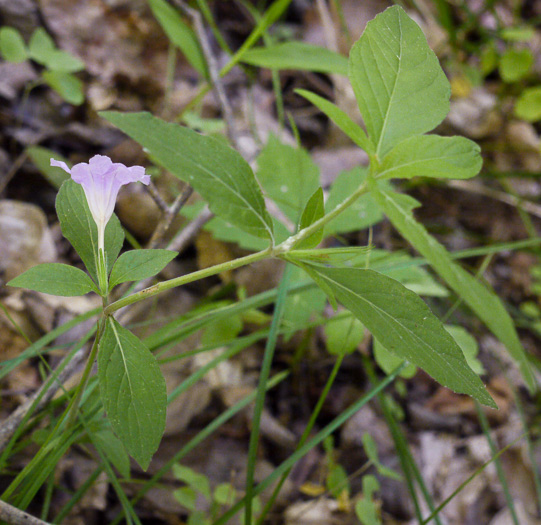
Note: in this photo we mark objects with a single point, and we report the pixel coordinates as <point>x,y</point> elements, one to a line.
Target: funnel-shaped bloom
<point>101,180</point>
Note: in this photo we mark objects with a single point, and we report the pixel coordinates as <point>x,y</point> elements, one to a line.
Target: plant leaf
<point>314,210</point>
<point>483,301</point>
<point>180,34</point>
<point>432,156</point>
<point>139,264</point>
<point>64,62</point>
<point>297,55</point>
<point>219,173</point>
<point>364,212</point>
<point>55,279</point>
<point>41,157</point>
<point>132,390</point>
<point>12,45</point>
<point>397,79</point>
<point>288,175</point>
<point>70,88</point>
<point>340,118</point>
<point>41,46</point>
<point>403,323</point>
<point>79,228</point>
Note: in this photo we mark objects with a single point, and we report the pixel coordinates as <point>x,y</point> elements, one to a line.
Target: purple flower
<point>101,180</point>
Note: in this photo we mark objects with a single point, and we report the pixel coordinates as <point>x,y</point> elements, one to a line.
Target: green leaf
<point>364,212</point>
<point>343,335</point>
<point>483,301</point>
<point>528,106</point>
<point>180,34</point>
<point>371,450</point>
<point>186,496</point>
<point>299,307</point>
<point>403,323</point>
<point>41,46</point>
<point>288,175</point>
<point>341,119</point>
<point>365,509</point>
<point>64,62</point>
<point>139,264</point>
<point>337,480</point>
<point>79,228</point>
<point>132,390</point>
<point>515,64</point>
<point>388,361</point>
<point>114,450</point>
<point>193,479</point>
<point>225,494</point>
<point>70,88</point>
<point>55,279</point>
<point>219,173</point>
<point>518,33</point>
<point>469,347</point>
<point>12,45</point>
<point>397,79</point>
<point>299,56</point>
<point>314,210</point>
<point>432,156</point>
<point>227,232</point>
<point>41,157</point>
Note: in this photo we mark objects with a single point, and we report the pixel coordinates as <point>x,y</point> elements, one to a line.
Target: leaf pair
<point>80,229</point>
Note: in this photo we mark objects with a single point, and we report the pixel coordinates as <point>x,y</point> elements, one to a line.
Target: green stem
<point>314,227</point>
<point>185,279</point>
<point>243,261</point>
<point>74,405</point>
<point>102,271</point>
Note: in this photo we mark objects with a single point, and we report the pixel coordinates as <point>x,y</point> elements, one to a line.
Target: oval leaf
<point>404,324</point>
<point>220,175</point>
<point>12,45</point>
<point>79,227</point>
<point>132,390</point>
<point>55,279</point>
<point>397,79</point>
<point>432,156</point>
<point>70,88</point>
<point>139,264</point>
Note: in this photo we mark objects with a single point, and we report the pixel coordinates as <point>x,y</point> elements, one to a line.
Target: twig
<point>158,199</point>
<point>214,72</point>
<point>181,241</point>
<point>14,516</point>
<point>169,214</point>
<point>473,187</point>
<point>19,161</point>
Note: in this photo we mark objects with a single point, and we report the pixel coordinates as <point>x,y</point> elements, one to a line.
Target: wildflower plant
<point>402,94</point>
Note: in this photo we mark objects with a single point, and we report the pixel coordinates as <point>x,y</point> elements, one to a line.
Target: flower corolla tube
<point>101,180</point>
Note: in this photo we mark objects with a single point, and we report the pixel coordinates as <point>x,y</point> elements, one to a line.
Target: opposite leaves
<point>132,391</point>
<point>80,229</point>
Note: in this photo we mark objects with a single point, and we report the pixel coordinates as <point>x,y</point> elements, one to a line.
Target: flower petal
<point>60,164</point>
<point>100,164</point>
